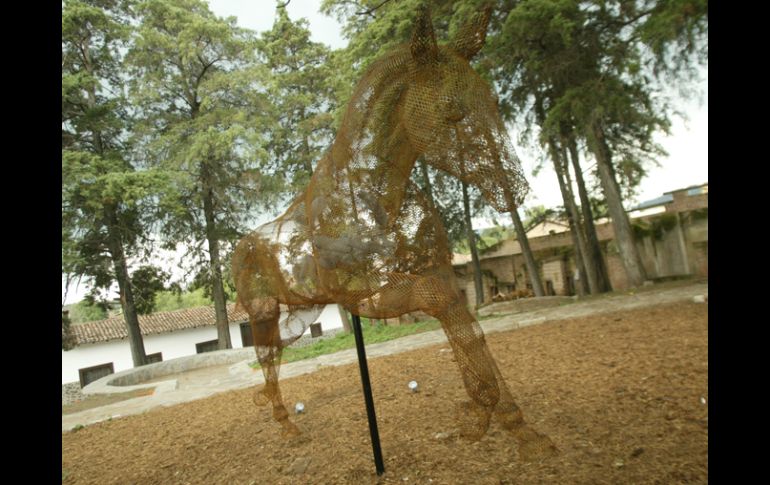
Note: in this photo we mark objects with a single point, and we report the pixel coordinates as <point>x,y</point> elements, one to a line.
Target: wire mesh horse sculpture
<point>362,235</point>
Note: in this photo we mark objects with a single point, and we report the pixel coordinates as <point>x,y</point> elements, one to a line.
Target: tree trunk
<point>587,280</point>
<point>521,236</point>
<point>135,341</point>
<point>346,325</point>
<point>474,251</point>
<point>594,249</point>
<point>529,258</point>
<point>624,237</point>
<point>215,266</point>
<point>115,246</point>
<point>592,271</point>
<point>428,187</point>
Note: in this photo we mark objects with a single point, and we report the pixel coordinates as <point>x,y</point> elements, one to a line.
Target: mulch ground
<point>623,396</point>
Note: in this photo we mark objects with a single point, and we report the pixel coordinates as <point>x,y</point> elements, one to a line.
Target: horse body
<point>363,236</point>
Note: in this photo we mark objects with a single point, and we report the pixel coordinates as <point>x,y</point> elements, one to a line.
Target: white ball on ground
<point>413,386</point>
<point>299,408</point>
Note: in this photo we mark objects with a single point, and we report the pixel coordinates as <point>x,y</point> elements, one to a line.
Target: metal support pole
<point>368,395</point>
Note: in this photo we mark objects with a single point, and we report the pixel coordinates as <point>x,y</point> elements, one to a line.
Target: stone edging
<point>131,379</point>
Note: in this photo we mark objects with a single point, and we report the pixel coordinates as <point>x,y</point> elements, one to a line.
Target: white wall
<point>329,318</point>
<point>173,344</point>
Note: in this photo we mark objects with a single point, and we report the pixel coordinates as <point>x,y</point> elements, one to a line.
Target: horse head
<point>450,113</point>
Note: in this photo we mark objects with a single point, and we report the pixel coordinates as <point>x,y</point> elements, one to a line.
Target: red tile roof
<point>162,322</point>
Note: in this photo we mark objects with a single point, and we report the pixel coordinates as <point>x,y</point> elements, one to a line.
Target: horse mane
<point>371,117</point>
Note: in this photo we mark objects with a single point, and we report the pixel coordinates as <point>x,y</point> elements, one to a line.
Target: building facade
<point>671,236</point>
<point>102,347</point>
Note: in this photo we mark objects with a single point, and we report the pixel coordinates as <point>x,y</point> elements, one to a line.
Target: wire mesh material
<point>364,236</point>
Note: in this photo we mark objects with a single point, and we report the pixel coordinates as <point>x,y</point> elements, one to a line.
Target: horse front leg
<point>267,344</point>
<point>478,375</point>
<point>482,379</point>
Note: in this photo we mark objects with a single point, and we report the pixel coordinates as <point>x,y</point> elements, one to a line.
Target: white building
<point>103,348</point>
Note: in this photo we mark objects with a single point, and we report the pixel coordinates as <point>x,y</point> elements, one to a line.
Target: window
<point>156,357</point>
<point>209,346</point>
<point>90,374</point>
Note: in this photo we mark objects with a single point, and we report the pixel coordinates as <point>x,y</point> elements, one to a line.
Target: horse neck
<point>387,174</point>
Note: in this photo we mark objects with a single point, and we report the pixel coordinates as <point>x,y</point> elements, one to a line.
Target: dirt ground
<point>623,395</point>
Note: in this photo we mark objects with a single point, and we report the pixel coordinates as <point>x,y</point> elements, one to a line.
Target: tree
<point>88,310</point>
<point>105,196</point>
<point>149,281</point>
<point>584,64</point>
<point>472,244</point>
<point>200,97</point>
<point>593,249</point>
<point>585,266</point>
<point>533,271</point>
<point>592,66</point>
<point>68,340</point>
<point>456,214</point>
<point>301,94</point>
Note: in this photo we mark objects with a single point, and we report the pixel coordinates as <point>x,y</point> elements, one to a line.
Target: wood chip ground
<point>623,395</point>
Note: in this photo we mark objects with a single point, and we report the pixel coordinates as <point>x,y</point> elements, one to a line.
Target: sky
<point>687,145</point>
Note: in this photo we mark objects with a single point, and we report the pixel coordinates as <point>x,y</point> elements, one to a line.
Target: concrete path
<point>206,382</point>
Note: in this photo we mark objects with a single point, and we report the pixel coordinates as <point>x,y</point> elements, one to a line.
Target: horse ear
<point>470,39</point>
<point>423,43</point>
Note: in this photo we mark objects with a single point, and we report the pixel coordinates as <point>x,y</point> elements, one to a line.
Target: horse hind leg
<point>267,344</point>
<point>432,295</point>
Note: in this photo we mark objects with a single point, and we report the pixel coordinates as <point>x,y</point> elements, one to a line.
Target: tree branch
<point>371,10</point>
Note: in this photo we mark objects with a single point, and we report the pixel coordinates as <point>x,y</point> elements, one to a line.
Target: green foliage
<point>492,236</point>
<point>699,214</point>
<point>641,229</point>
<point>675,31</point>
<point>196,88</point>
<point>203,113</point>
<point>655,227</point>
<point>574,66</point>
<point>599,207</point>
<point>344,340</point>
<point>373,333</point>
<point>537,214</point>
<point>300,91</point>
<point>148,281</point>
<point>107,199</point>
<point>166,301</point>
<point>370,36</point>
<point>447,197</point>
<point>87,311</point>
<point>487,239</point>
<point>560,66</point>
<point>67,338</point>
<point>663,224</point>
